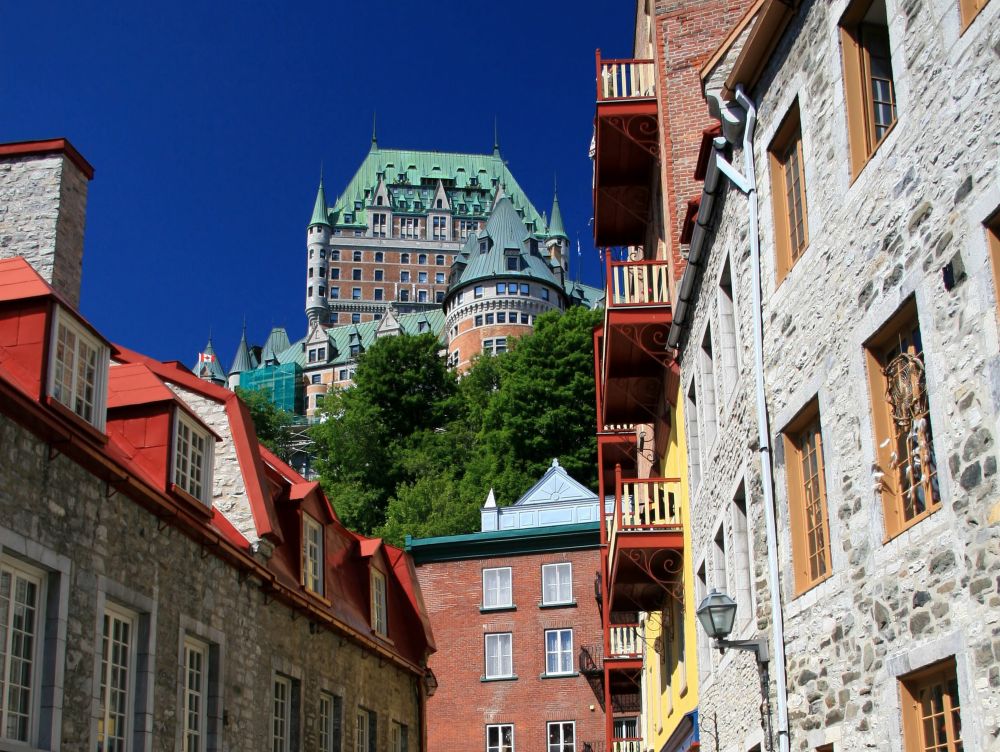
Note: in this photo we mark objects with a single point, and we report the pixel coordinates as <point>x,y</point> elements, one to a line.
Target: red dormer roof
<point>135,384</point>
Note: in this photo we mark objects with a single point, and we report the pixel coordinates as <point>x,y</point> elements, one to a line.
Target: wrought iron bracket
<point>642,130</point>
<point>663,568</point>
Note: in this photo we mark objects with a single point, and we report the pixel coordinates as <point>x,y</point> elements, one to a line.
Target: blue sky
<point>207,123</point>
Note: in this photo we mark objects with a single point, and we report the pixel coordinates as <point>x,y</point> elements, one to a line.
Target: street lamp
<point>717,614</point>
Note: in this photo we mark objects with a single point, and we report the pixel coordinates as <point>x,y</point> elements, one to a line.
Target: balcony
<point>632,744</point>
<point>626,149</point>
<point>646,537</point>
<point>634,358</point>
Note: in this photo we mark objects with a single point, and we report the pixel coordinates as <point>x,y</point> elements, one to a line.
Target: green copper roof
<point>244,360</point>
<point>485,254</point>
<point>319,215</point>
<point>277,342</point>
<point>556,229</point>
<point>505,542</point>
<point>470,180</point>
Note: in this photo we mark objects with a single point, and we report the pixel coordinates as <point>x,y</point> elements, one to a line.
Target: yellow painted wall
<point>669,666</point>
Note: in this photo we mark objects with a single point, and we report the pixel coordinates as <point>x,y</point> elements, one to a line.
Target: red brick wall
<point>462,706</point>
<point>688,32</point>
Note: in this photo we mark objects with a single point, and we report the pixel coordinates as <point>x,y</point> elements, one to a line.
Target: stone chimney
<point>43,208</point>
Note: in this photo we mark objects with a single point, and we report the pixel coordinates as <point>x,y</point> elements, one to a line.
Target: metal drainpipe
<point>763,438</point>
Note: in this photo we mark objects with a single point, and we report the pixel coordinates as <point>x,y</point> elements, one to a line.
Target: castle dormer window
<point>378,201</point>
<point>513,263</point>
<point>192,458</point>
<point>78,370</point>
<point>312,554</point>
<point>379,617</point>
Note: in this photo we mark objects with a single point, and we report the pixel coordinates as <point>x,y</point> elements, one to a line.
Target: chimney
<point>43,208</point>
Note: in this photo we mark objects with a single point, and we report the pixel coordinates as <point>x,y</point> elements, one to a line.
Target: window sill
<point>559,676</point>
<point>382,638</point>
<point>89,428</point>
<point>567,604</point>
<point>496,609</point>
<point>910,524</point>
<point>200,506</point>
<point>512,677</point>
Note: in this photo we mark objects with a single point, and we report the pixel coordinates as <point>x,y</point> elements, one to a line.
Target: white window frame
<point>499,588</point>
<point>557,658</point>
<point>501,655</point>
<point>498,747</point>
<point>312,554</point>
<point>179,476</point>
<point>281,713</point>
<point>380,620</point>
<point>362,724</point>
<point>195,708</point>
<point>16,571</point>
<point>329,731</point>
<point>560,746</point>
<point>560,597</point>
<point>112,614</point>
<point>68,394</point>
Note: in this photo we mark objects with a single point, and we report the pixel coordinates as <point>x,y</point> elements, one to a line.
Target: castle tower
<point>208,367</point>
<point>558,242</point>
<point>242,361</point>
<point>318,244</point>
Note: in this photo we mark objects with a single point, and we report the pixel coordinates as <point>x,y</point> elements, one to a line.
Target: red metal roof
<point>50,146</point>
<point>135,384</point>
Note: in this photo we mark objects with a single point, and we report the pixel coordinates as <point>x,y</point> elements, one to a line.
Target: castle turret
<point>208,367</point>
<point>242,361</point>
<point>318,244</point>
<point>558,242</point>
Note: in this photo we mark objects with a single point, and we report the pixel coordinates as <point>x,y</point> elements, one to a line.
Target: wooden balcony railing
<point>638,283</point>
<point>645,504</point>
<point>625,79</point>
<point>631,744</point>
<point>625,641</point>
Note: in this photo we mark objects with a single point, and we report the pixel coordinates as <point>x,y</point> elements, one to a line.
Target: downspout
<point>747,183</point>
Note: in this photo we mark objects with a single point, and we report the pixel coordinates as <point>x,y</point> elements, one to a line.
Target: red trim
<point>687,229</point>
<point>50,146</point>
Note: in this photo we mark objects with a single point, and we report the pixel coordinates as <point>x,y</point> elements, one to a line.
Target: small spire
<point>374,133</point>
<point>319,215</point>
<point>556,228</point>
<point>496,138</point>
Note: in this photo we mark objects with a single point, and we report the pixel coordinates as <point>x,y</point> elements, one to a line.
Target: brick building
<point>166,582</point>
<point>516,621</point>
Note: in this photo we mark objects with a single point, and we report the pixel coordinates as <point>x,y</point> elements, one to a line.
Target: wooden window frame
<point>499,589</point>
<point>803,554</point>
<point>312,554</point>
<point>555,569</point>
<point>788,139</point>
<point>194,712</point>
<point>862,140</point>
<point>379,604</point>
<point>895,521</point>
<point>993,243</point>
<point>910,686</point>
<point>969,10</point>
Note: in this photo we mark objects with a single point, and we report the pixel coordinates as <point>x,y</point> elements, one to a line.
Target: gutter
<point>739,119</point>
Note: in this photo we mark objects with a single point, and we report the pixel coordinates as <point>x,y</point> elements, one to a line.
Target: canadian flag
<point>206,358</point>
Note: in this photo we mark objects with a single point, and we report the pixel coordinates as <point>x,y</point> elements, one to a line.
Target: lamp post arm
<point>758,646</point>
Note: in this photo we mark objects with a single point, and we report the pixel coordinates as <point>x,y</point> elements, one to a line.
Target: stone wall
<point>97,548</point>
<point>891,605</point>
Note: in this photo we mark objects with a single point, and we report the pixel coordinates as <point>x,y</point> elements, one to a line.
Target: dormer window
<point>192,462</point>
<point>312,554</point>
<point>379,621</point>
<point>512,263</point>
<point>378,201</point>
<point>78,374</point>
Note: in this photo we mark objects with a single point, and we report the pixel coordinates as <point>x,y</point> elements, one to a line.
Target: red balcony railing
<point>627,79</point>
<point>638,283</point>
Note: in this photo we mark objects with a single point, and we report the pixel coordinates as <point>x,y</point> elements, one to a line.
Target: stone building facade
<point>167,582</point>
<point>871,350</point>
<point>514,613</point>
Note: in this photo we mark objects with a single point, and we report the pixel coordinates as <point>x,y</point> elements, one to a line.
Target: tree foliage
<point>270,421</point>
<point>410,449</point>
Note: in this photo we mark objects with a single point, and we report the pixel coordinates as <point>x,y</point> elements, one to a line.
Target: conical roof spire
<point>556,229</point>
<point>374,133</point>
<point>208,364</point>
<point>319,216</point>
<point>496,138</point>
<point>242,361</point>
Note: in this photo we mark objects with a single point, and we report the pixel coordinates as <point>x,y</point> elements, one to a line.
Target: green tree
<point>269,421</point>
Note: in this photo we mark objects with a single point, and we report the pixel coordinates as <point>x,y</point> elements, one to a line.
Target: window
<point>335,293</point>
<point>525,319</point>
<point>788,193</point>
<point>400,737</point>
<point>331,710</point>
<point>78,376</point>
<point>868,80</point>
<point>501,288</point>
<point>322,291</point>
<point>705,656</point>
<point>192,461</point>
<point>497,588</point>
<point>525,289</point>
<point>499,661</point>
<point>342,374</point>
<point>742,562</point>
<point>335,273</point>
<point>993,238</point>
<point>439,260</point>
<point>379,293</point>
<point>557,583</point>
<point>545,293</point>
<point>421,296</point>
<point>706,396</point>
<point>379,257</point>
<point>315,379</point>
<point>21,601</point>
<point>728,347</point>
<point>355,319</point>
<point>195,709</point>
<point>378,225</point>
<point>404,258</point>
<point>312,554</point>
<point>489,319</point>
<point>422,258</point>
<point>335,255</point>
<point>310,272</point>
<point>404,296</point>
<point>500,738</point>
<point>512,263</point>
<point>439,297</point>
<point>355,274</point>
<point>334,317</point>
<point>408,229</point>
<point>281,712</point>
<point>807,510</point>
<point>312,355</point>
<point>379,275</point>
<point>478,292</point>
<point>404,276</point>
<point>478,320</point>
<point>356,255</point>
<point>558,651</point>
<point>439,278</point>
<point>366,731</point>
<point>562,736</point>
<point>720,575</point>
<point>932,720</point>
<point>379,620</point>
<point>422,278</point>
<point>355,293</point>
<point>501,317</point>
<point>322,271</point>
<point>117,698</point>
<point>488,346</point>
<point>902,422</point>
